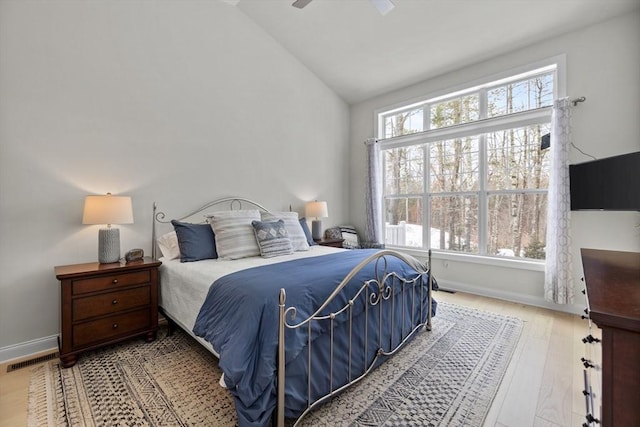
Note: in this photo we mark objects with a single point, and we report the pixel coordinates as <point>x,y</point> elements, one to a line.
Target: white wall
<point>175,102</point>
<point>603,64</point>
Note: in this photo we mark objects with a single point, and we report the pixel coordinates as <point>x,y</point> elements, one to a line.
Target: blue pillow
<point>272,238</point>
<point>196,241</point>
<point>307,233</point>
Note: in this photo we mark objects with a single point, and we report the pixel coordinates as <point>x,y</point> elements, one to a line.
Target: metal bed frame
<point>384,289</point>
<point>377,292</point>
<point>231,202</point>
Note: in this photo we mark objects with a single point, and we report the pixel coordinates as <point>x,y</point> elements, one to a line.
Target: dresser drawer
<point>88,333</point>
<point>112,302</point>
<point>101,283</point>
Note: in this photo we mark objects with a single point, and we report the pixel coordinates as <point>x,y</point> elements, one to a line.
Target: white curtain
<point>557,278</point>
<point>373,193</point>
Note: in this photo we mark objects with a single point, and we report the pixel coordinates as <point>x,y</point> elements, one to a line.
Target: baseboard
<point>27,348</point>
<point>509,296</point>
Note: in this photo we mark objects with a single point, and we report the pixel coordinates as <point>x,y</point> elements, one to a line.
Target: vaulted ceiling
<point>359,53</point>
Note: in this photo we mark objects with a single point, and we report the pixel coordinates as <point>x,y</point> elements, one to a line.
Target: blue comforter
<point>240,319</point>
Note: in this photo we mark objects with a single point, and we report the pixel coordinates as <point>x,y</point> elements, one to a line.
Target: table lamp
<point>316,210</point>
<point>108,210</point>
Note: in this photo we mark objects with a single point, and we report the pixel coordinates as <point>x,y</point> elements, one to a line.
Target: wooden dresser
<point>613,297</point>
<point>105,303</point>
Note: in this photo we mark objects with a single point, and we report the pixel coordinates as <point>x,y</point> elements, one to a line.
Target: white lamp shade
<point>107,210</point>
<point>316,210</point>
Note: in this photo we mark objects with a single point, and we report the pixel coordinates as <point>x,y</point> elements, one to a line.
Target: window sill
<point>503,262</point>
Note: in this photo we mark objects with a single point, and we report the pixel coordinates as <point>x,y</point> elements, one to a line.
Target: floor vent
<point>34,361</point>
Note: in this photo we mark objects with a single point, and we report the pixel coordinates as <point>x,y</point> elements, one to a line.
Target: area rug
<point>446,377</point>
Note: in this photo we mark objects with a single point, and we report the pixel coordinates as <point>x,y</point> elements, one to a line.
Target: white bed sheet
<point>184,285</point>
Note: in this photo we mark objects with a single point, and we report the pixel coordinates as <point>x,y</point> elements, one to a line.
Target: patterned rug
<point>446,377</point>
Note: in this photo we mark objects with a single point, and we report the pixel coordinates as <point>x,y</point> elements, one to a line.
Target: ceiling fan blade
<point>300,3</point>
<point>383,6</point>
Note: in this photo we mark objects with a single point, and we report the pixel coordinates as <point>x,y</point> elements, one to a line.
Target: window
<point>466,173</point>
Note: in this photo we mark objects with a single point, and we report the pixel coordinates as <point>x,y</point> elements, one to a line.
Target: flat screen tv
<point>610,184</point>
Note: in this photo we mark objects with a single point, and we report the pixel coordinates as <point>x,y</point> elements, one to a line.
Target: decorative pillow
<point>350,236</point>
<point>333,233</point>
<point>272,238</point>
<point>307,232</point>
<point>292,224</point>
<point>196,241</point>
<point>235,238</point>
<point>168,244</point>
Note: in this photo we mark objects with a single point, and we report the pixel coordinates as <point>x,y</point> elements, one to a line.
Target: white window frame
<point>557,64</point>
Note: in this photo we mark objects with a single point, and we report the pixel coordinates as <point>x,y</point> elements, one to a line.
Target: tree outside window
<point>479,193</point>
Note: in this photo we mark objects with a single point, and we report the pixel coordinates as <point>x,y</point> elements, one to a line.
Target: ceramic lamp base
<point>316,229</point>
<point>108,245</point>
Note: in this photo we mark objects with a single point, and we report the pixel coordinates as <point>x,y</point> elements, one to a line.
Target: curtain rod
<point>575,101</point>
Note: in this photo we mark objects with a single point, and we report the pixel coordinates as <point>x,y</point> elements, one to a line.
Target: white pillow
<point>168,244</point>
<point>350,236</point>
<point>293,227</point>
<point>235,238</point>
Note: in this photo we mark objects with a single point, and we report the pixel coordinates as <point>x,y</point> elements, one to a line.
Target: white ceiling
<point>360,53</point>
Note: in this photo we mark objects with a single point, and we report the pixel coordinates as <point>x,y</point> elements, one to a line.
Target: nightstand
<point>105,303</point>
<point>336,243</point>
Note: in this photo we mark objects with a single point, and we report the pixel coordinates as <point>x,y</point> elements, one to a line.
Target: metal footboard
<point>384,289</point>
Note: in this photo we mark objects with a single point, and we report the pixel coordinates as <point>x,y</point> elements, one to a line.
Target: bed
<point>292,330</point>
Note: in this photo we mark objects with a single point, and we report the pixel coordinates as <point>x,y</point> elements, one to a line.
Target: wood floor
<point>541,388</point>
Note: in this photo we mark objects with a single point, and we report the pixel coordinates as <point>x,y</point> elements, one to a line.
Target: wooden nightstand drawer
<point>112,302</point>
<point>114,281</point>
<point>88,333</point>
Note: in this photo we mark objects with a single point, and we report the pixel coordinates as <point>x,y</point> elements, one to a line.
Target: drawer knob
<point>590,339</point>
<point>114,302</point>
<point>592,419</point>
<point>114,326</point>
<point>587,363</point>
<point>115,281</point>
